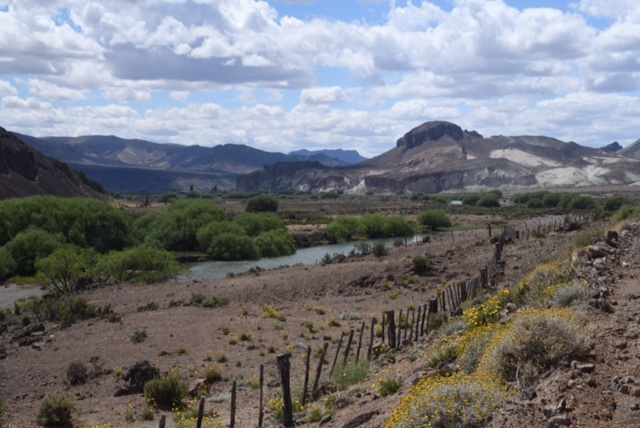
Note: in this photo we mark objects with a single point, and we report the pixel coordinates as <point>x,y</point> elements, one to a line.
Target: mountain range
<point>433,157</point>
<point>134,166</point>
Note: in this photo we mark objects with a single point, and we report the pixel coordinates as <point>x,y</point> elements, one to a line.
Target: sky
<point>283,75</point>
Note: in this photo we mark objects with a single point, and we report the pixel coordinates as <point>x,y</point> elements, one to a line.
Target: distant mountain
<point>347,156</point>
<point>24,171</point>
<point>139,166</point>
<point>612,148</point>
<point>440,156</point>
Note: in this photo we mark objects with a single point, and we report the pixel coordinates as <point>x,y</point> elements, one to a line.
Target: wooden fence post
<point>347,349</point>
<point>261,405</point>
<point>316,382</point>
<point>306,376</point>
<point>399,336</point>
<point>371,335</point>
<point>391,322</point>
<point>333,366</point>
<point>163,421</point>
<point>284,366</point>
<point>359,343</point>
<point>200,413</point>
<point>232,422</point>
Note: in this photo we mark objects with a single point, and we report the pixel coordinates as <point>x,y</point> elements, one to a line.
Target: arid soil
<point>319,303</point>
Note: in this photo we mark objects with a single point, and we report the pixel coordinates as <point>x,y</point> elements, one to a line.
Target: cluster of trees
<point>62,240</point>
<point>370,226</point>
<point>487,200</point>
<point>199,225</point>
<point>545,199</point>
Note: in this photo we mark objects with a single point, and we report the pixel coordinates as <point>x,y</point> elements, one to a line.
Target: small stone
<point>586,368</point>
<point>625,389</point>
<point>628,379</point>
<point>635,407</point>
<point>558,421</point>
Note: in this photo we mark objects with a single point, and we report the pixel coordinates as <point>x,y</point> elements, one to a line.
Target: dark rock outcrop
<point>25,172</point>
<point>430,131</point>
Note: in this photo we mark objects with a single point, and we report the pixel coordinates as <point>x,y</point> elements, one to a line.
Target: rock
<point>635,407</point>
<point>580,256</point>
<point>621,344</point>
<point>325,420</point>
<point>511,307</point>
<point>558,421</point>
<point>625,389</point>
<point>198,387</point>
<point>586,368</point>
<point>219,398</point>
<point>612,238</point>
<point>596,252</point>
<point>359,420</point>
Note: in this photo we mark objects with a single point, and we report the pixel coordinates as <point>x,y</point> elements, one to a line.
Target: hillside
<point>25,171</point>
<point>236,339</point>
<point>440,156</point>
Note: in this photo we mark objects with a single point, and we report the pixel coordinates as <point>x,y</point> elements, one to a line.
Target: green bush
<point>274,243</point>
<point>535,203</point>
<point>4,407</point>
<point>350,374</point>
<point>60,272</point>
<point>140,264</point>
<point>262,203</point>
<point>488,200</point>
<point>471,199</point>
<point>397,227</point>
<point>138,336</point>
<point>420,264</point>
<point>7,264</point>
<point>342,229</point>
<point>614,203</point>
<point>434,219</point>
<point>379,249</point>
<point>207,233</point>
<point>167,392</point>
<point>390,386</point>
<point>30,245</point>
<point>373,226</point>
<point>230,246</point>
<point>254,224</point>
<point>77,373</point>
<point>56,411</point>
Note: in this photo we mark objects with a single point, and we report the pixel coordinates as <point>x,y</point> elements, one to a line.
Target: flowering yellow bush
<point>488,312</point>
<point>269,311</point>
<point>457,401</point>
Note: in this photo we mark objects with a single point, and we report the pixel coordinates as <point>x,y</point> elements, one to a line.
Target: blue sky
<point>284,75</point>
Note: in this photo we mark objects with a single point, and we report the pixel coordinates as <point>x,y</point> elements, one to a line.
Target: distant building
<point>456,203</point>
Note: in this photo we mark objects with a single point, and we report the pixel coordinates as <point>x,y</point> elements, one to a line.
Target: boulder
<point>137,377</point>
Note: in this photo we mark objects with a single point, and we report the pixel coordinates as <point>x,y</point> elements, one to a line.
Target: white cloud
<point>180,96</point>
<point>331,95</point>
<point>7,89</point>
<point>127,95</point>
<point>53,92</point>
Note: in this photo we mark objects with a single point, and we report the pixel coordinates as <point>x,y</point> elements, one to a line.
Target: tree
<point>230,246</point>
<point>60,272</point>
<point>535,203</point>
<point>488,200</point>
<point>434,219</point>
<point>262,203</point>
<point>397,227</point>
<point>373,226</point>
<point>141,264</point>
<point>254,224</point>
<point>274,243</point>
<point>471,199</point>
<point>31,245</point>
<point>341,229</point>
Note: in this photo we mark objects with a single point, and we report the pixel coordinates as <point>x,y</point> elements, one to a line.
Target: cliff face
<point>26,172</point>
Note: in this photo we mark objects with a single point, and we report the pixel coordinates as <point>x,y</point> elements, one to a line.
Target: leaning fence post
<point>163,421</point>
<point>284,365</point>
<point>333,366</point>
<point>347,349</point>
<point>316,382</point>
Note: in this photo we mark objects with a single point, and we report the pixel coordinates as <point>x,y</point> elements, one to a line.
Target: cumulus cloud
<point>330,95</point>
<point>7,89</point>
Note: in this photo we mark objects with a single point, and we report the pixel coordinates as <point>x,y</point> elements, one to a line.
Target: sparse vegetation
<point>57,411</point>
<point>168,392</point>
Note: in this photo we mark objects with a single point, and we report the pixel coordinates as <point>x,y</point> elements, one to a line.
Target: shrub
<point>420,264</point>
<point>229,246</point>
<point>362,247</point>
<point>4,407</point>
<point>56,411</point>
<point>456,401</point>
<point>379,249</point>
<point>7,264</point>
<point>262,203</point>
<point>397,227</point>
<point>77,373</point>
<point>167,392</point>
<point>138,336</point>
<point>373,226</point>
<point>434,219</point>
<point>350,374</point>
<point>575,293</point>
<point>342,229</point>
<point>274,243</point>
<point>271,312</point>
<point>615,202</point>
<point>213,373</point>
<point>471,199</point>
<point>389,386</point>
<point>488,200</point>
<point>208,301</point>
<point>141,264</point>
<point>533,342</point>
<point>30,245</point>
<point>60,272</point>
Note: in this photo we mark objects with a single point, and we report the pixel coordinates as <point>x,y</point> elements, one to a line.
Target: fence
<point>396,332</point>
